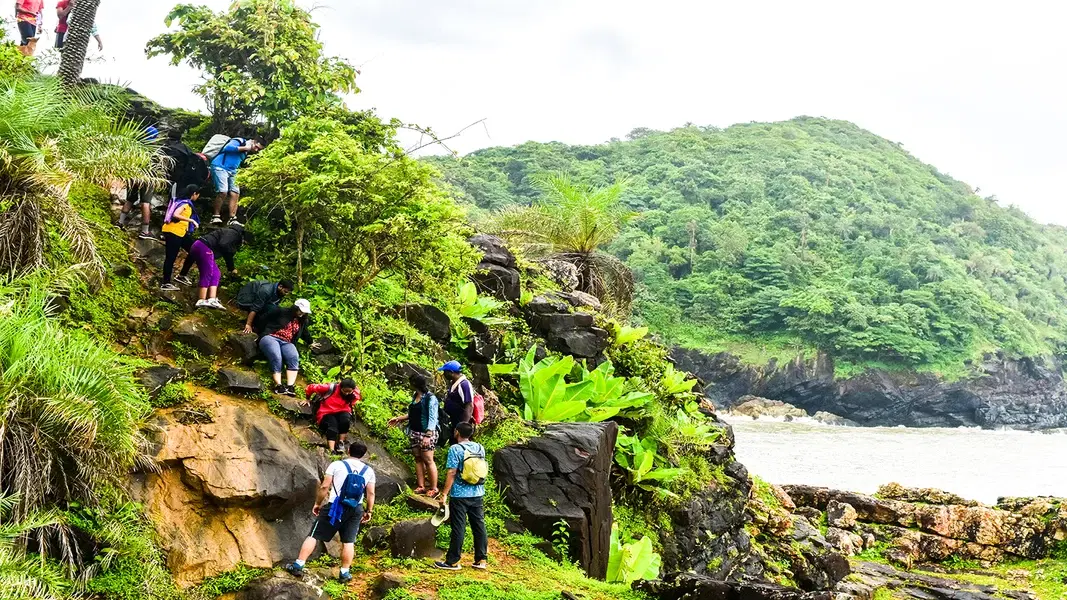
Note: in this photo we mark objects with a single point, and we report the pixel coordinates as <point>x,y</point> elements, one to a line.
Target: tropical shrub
<point>639,457</point>
<point>597,395</point>
<point>631,561</point>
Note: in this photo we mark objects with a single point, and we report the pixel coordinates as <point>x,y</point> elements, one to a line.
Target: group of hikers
<point>29,14</point>
<point>345,498</point>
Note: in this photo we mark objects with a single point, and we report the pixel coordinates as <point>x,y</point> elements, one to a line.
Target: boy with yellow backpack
<point>463,493</point>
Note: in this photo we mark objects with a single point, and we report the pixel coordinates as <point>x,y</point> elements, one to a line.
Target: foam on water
<point>972,462</point>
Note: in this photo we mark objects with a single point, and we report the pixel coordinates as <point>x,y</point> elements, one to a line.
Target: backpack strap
<point>349,469</point>
<point>363,470</point>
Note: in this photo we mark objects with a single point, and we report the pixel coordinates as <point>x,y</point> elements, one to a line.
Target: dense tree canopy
<point>261,60</point>
<point>810,230</point>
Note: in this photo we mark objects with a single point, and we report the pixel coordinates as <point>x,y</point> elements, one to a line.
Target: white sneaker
<point>234,221</point>
<point>170,287</point>
<point>214,303</point>
<point>183,280</point>
<point>203,303</point>
<point>216,220</point>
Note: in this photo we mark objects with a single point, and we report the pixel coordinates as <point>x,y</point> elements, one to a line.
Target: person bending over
<point>281,329</point>
<point>333,411</point>
<point>257,297</point>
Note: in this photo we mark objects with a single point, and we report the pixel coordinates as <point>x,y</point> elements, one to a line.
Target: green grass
<point>228,582</point>
<point>172,394</point>
<point>1046,578</point>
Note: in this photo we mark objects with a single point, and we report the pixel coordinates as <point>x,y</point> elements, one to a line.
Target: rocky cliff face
<point>1020,394</point>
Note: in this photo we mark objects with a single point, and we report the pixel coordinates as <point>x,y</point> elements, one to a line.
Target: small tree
<point>362,211</point>
<point>261,60</point>
<point>572,221</point>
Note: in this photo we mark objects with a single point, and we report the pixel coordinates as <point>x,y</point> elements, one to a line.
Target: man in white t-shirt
<point>348,525</point>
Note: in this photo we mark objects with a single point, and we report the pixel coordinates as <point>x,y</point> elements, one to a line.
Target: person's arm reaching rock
<point>322,493</point>
<point>370,504</point>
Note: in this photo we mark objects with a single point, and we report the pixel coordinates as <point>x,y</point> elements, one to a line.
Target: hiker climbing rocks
<point>422,425</point>
<point>459,402</point>
<point>333,404</point>
<point>204,258</point>
<point>345,487</point>
<point>464,492</point>
<point>257,297</point>
<point>185,167</point>
<point>281,328</point>
<point>226,156</point>
<point>63,8</point>
<point>222,243</point>
<point>28,14</point>
<point>140,192</point>
<point>178,225</point>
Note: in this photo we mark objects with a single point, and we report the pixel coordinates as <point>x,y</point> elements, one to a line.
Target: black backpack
<point>444,426</point>
<point>316,400</point>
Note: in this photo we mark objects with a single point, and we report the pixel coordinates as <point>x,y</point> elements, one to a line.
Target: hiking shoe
<point>169,287</point>
<point>183,280</point>
<point>482,565</point>
<point>146,235</point>
<point>234,221</point>
<point>279,389</point>
<point>202,303</point>
<point>447,567</point>
<point>214,303</point>
<point>294,570</point>
<point>344,577</point>
<point>290,390</point>
<point>216,220</point>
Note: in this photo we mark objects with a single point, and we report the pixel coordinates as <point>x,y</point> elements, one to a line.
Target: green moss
<point>172,394</point>
<point>228,582</point>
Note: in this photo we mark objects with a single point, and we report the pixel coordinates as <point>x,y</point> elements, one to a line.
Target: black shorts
<point>27,31</point>
<point>348,526</point>
<point>138,193</point>
<point>334,424</point>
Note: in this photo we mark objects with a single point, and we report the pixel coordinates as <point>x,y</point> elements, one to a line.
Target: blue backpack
<point>351,493</point>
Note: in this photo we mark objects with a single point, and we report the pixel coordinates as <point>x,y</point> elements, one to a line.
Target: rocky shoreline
<point>1003,392</point>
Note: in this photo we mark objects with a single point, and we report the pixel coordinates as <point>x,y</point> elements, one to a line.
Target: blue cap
<point>451,366</point>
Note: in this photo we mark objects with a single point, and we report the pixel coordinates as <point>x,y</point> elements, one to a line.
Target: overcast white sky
<point>975,88</point>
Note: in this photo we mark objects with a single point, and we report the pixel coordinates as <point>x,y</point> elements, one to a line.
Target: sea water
<point>974,463</point>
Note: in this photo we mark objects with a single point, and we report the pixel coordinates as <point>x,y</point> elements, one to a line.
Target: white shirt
<point>338,471</point>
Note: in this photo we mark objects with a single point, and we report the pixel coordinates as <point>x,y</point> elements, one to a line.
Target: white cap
<point>304,306</point>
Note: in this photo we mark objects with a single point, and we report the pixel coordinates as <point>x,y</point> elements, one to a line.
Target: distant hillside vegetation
<point>809,233</point>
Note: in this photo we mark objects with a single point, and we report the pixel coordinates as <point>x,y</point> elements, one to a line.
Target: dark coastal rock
<point>755,407</point>
<point>690,586</point>
<point>545,305</point>
<point>1016,393</point>
<point>564,273</point>
<point>869,577</point>
<point>709,534</point>
<point>416,538</point>
<point>564,475</point>
<point>193,331</point>
<point>497,281</point>
<point>583,343</point>
<point>494,250</point>
<point>244,345</point>
<point>429,320</point>
<point>154,378</point>
<point>240,382</point>
<point>552,323</point>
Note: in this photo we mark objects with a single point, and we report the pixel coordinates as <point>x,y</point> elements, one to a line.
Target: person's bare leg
<point>290,379</point>
<point>420,471</point>
<point>233,204</point>
<point>348,552</point>
<point>124,216</point>
<point>218,205</point>
<point>213,292</point>
<point>277,377</point>
<point>431,467</point>
<point>330,445</point>
<point>146,215</point>
<point>203,293</point>
<point>307,548</point>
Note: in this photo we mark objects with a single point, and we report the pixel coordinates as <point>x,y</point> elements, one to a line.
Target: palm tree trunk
<point>80,23</point>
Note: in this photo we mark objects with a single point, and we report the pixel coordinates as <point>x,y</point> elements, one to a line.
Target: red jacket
<point>333,403</point>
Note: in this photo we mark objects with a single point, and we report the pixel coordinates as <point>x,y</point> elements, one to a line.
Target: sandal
<point>419,490</point>
<point>433,493</point>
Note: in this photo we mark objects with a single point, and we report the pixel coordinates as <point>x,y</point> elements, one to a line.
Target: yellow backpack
<point>474,468</point>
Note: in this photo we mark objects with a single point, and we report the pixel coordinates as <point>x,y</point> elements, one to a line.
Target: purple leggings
<point>205,263</point>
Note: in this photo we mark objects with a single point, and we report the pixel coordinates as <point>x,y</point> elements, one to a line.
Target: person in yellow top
<point>178,226</point>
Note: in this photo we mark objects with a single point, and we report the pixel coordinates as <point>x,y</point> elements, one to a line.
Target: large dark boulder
<point>193,331</point>
<point>244,345</point>
<point>495,252</point>
<point>560,322</point>
<point>564,475</point>
<point>429,320</point>
<point>154,378</point>
<point>415,538</point>
<point>500,282</point>
<point>240,382</point>
<point>398,373</point>
<point>687,586</point>
<point>582,343</point>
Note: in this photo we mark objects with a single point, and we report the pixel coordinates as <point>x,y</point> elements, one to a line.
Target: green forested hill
<point>811,233</point>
